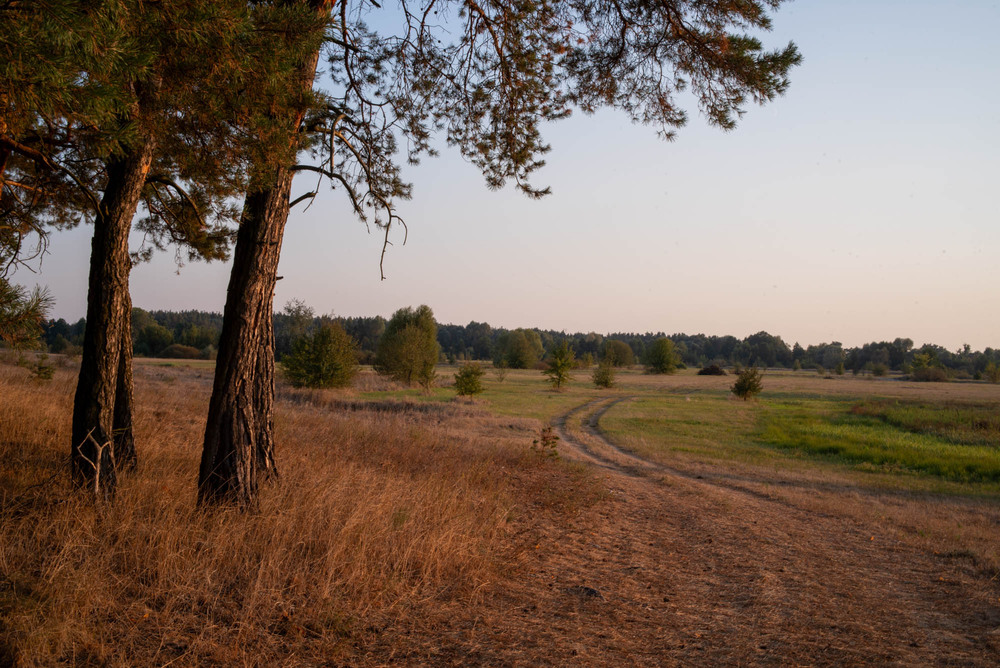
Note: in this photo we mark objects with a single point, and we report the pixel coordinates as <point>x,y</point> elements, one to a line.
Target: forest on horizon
<point>195,334</point>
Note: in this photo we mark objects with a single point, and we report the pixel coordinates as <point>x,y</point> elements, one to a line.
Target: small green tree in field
<point>408,350</point>
<point>560,363</point>
<point>661,357</point>
<point>327,357</point>
<point>604,374</point>
<point>749,383</point>
<point>468,380</point>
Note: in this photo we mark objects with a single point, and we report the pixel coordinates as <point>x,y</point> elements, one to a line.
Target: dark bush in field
<point>468,380</point>
<point>604,374</point>
<point>712,370</point>
<point>748,383</point>
<point>178,351</point>
<point>930,374</point>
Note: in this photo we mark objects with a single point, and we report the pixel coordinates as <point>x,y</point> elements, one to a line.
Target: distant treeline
<point>195,334</point>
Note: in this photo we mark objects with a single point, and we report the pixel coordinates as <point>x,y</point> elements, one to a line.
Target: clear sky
<point>860,206</point>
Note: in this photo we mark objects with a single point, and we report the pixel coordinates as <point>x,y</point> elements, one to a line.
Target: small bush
<point>176,351</point>
<point>930,374</point>
<point>604,374</point>
<point>326,358</point>
<point>749,383</point>
<point>39,367</point>
<point>468,380</point>
<point>545,444</point>
<point>879,369</point>
<point>712,370</point>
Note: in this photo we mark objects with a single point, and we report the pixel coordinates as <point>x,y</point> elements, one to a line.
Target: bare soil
<point>700,567</point>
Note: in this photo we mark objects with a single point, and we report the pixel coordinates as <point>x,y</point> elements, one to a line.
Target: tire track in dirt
<point>742,576</point>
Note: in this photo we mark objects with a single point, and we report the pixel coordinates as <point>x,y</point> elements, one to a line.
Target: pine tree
<point>560,363</point>
<point>322,359</point>
<point>137,105</point>
<point>487,76</point>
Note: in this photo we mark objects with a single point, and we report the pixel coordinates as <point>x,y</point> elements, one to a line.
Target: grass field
<point>395,503</point>
<point>909,435</point>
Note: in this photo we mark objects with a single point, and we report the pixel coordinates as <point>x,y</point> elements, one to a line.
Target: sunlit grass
<point>941,446</point>
<point>374,511</point>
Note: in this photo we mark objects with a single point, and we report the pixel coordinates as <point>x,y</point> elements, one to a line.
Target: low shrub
<point>468,380</point>
<point>177,351</point>
<point>39,367</point>
<point>712,370</point>
<point>604,374</point>
<point>930,374</point>
<point>749,383</point>
<point>545,444</point>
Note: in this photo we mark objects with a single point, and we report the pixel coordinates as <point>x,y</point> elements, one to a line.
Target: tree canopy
<point>408,349</point>
<point>661,357</point>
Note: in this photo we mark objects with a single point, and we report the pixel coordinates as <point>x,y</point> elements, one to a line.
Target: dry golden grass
<point>410,529</point>
<point>378,514</point>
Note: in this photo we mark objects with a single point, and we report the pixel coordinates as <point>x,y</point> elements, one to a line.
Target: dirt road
<point>686,567</point>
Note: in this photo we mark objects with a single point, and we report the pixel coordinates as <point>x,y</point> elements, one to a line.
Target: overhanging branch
<point>167,181</point>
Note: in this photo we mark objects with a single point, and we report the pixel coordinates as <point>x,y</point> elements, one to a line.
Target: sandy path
<point>680,567</point>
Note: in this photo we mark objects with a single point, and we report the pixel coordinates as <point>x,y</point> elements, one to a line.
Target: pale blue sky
<point>861,206</point>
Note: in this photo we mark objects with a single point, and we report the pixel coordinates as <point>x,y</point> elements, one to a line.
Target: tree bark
<point>93,457</point>
<point>125,454</point>
<point>239,441</point>
<point>238,433</point>
<point>264,399</point>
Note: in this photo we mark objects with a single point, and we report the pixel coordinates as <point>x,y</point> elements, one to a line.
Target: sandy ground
<point>700,567</point>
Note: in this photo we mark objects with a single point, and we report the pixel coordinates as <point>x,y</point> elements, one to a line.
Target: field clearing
<point>415,528</point>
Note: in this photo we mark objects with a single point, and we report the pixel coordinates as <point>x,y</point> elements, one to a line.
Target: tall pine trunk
<point>102,379</point>
<point>238,439</point>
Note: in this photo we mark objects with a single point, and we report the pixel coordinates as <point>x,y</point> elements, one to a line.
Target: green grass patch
<point>872,436</point>
<point>946,447</point>
<point>962,424</point>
